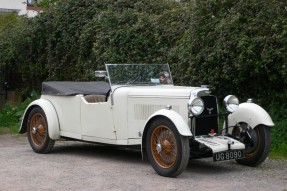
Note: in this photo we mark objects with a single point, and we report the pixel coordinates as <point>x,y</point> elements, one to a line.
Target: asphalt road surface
<point>82,166</point>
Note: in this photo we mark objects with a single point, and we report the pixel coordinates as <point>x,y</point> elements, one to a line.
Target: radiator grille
<point>208,120</point>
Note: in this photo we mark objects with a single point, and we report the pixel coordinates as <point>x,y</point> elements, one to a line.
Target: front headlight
<point>195,105</point>
<point>231,103</point>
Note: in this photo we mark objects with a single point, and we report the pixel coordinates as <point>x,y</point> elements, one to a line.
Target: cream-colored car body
<point>250,113</point>
<point>121,120</point>
<point>140,106</point>
<point>51,115</point>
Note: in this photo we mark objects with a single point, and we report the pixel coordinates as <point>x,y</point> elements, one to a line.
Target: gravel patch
<point>74,165</point>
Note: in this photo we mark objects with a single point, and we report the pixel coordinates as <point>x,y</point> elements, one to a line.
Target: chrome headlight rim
<point>195,106</point>
<point>231,103</point>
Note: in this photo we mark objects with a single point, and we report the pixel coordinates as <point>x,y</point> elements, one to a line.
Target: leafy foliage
<point>10,117</point>
<point>234,46</point>
<point>46,3</point>
<point>7,20</point>
<point>279,132</point>
<point>72,39</point>
<point>237,47</point>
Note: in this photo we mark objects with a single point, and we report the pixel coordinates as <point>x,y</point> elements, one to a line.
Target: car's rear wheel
<point>167,150</point>
<point>257,143</point>
<point>37,129</point>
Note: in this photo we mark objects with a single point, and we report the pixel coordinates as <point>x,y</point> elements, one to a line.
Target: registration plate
<point>228,155</point>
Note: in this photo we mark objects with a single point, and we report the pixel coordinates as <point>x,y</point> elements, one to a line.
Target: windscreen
<point>139,74</point>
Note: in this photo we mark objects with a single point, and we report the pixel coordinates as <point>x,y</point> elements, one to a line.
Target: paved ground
<point>83,166</point>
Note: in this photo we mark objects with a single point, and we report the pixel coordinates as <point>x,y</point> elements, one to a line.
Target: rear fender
<point>250,113</point>
<point>51,115</point>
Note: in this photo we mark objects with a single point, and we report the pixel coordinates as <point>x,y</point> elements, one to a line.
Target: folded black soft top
<point>73,88</point>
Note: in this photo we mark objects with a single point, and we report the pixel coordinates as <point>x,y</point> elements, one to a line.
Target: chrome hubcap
<point>34,130</point>
<point>158,148</point>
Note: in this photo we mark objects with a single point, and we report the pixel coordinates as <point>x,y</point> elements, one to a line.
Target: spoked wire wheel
<point>38,134</point>
<point>257,143</point>
<point>164,147</point>
<point>167,150</point>
<point>250,137</point>
<point>38,129</point>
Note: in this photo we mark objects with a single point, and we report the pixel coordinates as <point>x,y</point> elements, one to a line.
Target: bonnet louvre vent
<point>144,111</point>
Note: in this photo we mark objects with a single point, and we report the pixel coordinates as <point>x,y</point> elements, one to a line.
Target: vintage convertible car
<point>140,106</point>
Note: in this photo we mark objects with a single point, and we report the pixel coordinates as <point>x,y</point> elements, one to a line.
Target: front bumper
<point>220,143</point>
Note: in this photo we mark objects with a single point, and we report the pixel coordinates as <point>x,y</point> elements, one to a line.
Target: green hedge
<point>72,39</point>
<point>236,47</point>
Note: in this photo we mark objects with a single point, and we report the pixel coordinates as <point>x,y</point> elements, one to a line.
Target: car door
<point>97,121</point>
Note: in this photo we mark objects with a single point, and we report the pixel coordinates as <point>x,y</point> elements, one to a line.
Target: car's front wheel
<point>167,150</point>
<point>37,129</point>
<point>257,143</point>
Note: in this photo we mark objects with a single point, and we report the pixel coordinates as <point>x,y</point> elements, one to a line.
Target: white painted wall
<point>17,4</point>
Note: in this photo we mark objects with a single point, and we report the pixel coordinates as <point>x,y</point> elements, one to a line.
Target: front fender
<point>174,117</point>
<point>250,113</point>
<point>51,115</point>
<point>177,120</point>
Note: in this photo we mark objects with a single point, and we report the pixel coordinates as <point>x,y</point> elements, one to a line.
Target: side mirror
<point>101,74</point>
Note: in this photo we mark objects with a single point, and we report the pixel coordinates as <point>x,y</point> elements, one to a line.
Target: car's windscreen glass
<point>139,74</point>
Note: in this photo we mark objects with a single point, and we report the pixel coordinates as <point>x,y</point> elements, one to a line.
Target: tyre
<point>37,130</point>
<point>167,150</point>
<point>257,143</point>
